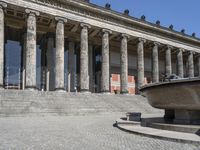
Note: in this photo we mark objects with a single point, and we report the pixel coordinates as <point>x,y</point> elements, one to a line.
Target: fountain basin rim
<point>172,82</point>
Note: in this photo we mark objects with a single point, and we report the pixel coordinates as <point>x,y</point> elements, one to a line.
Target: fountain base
<point>183,116</point>
<point>159,127</point>
<point>187,117</point>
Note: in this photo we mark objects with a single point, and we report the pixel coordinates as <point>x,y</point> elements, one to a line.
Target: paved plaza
<point>93,132</point>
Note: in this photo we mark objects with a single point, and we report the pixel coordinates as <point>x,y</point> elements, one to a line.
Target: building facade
<point>76,46</point>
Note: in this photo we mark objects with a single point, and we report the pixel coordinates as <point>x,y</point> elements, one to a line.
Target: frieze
<point>81,11</point>
<point>64,4</point>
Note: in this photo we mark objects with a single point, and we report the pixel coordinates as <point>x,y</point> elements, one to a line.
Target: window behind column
<point>13,59</point>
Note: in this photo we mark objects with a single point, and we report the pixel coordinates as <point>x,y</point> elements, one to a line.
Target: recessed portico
<point>57,51</point>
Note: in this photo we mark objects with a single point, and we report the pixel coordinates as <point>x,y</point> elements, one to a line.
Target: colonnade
<point>30,56</point>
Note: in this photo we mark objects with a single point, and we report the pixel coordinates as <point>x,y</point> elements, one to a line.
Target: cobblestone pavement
<point>94,132</point>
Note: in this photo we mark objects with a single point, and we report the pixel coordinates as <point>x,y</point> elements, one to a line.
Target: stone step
<point>25,102</point>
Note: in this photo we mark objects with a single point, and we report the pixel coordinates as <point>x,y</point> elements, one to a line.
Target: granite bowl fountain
<point>179,98</point>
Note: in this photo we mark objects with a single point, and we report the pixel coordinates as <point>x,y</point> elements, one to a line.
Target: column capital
<point>123,35</point>
<point>106,31</point>
<point>64,20</point>
<point>141,40</point>
<point>85,25</point>
<point>180,50</point>
<point>32,12</point>
<point>3,4</point>
<point>156,43</point>
<point>191,52</point>
<point>168,47</point>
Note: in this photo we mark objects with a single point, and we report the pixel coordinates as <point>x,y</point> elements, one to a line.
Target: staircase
<point>20,103</point>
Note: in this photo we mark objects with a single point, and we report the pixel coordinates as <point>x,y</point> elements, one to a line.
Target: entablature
<point>102,18</point>
<point>99,12</point>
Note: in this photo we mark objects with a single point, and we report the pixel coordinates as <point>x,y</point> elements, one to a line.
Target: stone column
<point>105,65</point>
<point>198,64</point>
<point>190,65</point>
<point>168,71</point>
<point>50,85</point>
<point>124,64</point>
<point>2,6</point>
<point>31,49</point>
<point>72,63</point>
<point>59,64</point>
<point>155,63</point>
<point>180,71</point>
<point>168,63</point>
<point>84,73</point>
<point>140,62</point>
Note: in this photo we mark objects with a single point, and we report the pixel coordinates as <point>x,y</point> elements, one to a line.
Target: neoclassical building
<point>76,46</point>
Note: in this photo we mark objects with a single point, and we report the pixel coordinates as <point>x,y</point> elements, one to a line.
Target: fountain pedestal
<point>187,117</point>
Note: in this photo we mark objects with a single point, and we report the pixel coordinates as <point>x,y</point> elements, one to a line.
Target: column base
<point>31,88</point>
<point>60,89</point>
<point>85,91</point>
<point>105,92</point>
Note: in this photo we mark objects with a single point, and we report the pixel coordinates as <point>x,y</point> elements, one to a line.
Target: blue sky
<point>183,14</point>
